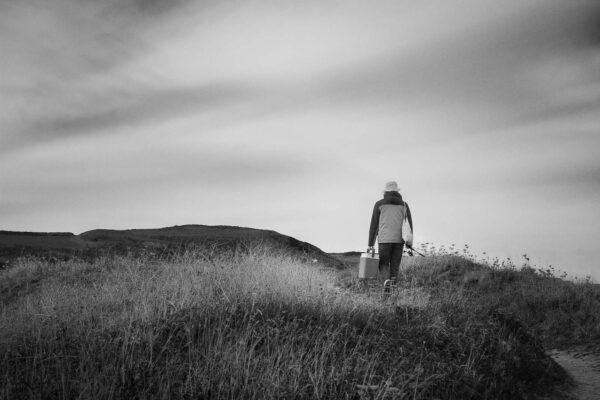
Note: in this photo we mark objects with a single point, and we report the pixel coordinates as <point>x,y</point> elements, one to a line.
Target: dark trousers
<point>390,255</point>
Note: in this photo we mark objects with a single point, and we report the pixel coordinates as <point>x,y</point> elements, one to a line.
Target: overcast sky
<point>291,116</point>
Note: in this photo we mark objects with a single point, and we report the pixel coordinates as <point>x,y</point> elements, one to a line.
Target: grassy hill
<point>557,312</point>
<point>268,322</point>
<point>161,242</point>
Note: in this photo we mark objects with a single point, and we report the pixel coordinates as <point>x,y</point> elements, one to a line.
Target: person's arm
<point>373,230</point>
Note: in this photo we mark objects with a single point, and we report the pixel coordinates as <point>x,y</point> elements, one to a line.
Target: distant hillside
<point>156,241</point>
<point>349,258</point>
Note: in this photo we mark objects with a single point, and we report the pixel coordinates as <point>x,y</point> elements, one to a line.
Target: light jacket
<point>388,217</point>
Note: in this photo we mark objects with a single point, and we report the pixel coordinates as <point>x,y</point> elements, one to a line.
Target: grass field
<point>258,325</point>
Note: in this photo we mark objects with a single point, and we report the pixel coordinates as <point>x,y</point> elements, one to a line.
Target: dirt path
<point>584,367</point>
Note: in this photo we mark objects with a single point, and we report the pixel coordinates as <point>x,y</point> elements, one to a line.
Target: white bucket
<point>368,266</point>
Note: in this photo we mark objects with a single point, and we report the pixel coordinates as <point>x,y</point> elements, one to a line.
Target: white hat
<point>391,186</point>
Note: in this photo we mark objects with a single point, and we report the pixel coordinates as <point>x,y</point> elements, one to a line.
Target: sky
<point>292,116</point>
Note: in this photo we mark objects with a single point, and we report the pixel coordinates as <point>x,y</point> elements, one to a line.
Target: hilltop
<point>159,242</point>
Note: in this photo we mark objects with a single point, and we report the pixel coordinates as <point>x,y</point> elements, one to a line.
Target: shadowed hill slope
<point>160,241</point>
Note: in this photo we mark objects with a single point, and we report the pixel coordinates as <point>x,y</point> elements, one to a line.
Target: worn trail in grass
<point>584,368</point>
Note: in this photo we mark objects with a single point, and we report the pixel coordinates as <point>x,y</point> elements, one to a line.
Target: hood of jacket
<point>392,198</point>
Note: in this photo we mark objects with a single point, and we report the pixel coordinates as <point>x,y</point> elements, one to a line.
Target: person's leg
<point>395,259</point>
<point>385,256</point>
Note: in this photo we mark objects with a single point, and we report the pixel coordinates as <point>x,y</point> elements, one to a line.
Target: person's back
<point>387,220</point>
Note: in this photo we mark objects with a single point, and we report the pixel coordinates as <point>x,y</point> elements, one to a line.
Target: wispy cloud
<point>70,39</point>
<point>488,74</point>
<point>542,63</point>
<point>101,114</point>
<point>62,61</point>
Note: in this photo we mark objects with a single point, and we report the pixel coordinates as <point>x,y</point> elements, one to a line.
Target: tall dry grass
<point>255,325</point>
<point>560,312</point>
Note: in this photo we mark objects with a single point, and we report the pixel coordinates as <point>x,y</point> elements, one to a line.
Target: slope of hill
<point>57,240</point>
<point>227,318</point>
<point>156,241</point>
<point>49,245</point>
<point>256,325</point>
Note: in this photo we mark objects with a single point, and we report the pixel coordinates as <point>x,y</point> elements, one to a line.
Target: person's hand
<point>370,249</point>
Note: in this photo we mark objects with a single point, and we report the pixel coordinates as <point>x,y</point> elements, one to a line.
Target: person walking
<point>388,217</point>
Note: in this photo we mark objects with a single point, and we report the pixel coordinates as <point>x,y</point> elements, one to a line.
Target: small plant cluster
<point>431,250</point>
<point>253,324</point>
